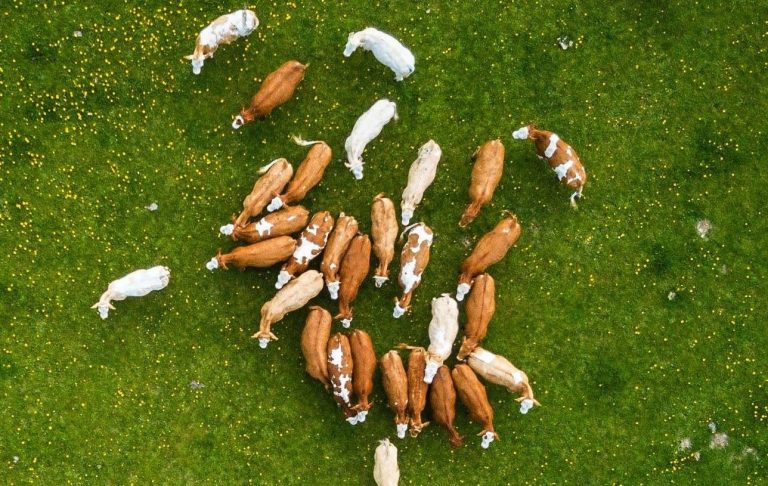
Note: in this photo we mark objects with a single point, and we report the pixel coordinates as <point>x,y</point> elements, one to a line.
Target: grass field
<point>665,102</point>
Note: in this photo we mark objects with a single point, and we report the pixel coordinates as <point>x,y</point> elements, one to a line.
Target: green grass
<point>665,102</point>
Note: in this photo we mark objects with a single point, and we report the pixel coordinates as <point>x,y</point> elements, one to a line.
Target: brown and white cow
<point>275,176</point>
<point>497,369</point>
<point>486,174</point>
<point>258,255</point>
<point>340,368</point>
<point>384,233</point>
<point>491,248</point>
<point>364,366</point>
<point>474,397</point>
<point>354,268</point>
<point>442,400</point>
<point>338,243</point>
<point>284,222</point>
<point>277,88</point>
<point>308,175</point>
<point>414,258</point>
<point>223,30</point>
<point>311,243</point>
<point>314,341</point>
<point>560,156</point>
<point>417,389</point>
<point>395,382</point>
<point>480,306</point>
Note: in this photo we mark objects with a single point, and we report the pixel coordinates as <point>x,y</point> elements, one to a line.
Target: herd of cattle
<point>345,363</point>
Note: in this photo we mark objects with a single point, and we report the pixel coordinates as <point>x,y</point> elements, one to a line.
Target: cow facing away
<point>384,233</point>
<point>135,284</point>
<point>486,174</point>
<point>420,177</point>
<point>277,88</point>
<point>413,261</point>
<point>386,472</point>
<point>308,175</point>
<point>385,48</point>
<point>442,333</point>
<point>223,30</point>
<point>366,128</point>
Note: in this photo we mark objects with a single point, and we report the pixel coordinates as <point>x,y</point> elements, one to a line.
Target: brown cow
<point>308,175</point>
<point>311,243</point>
<point>474,397</point>
<point>497,369</point>
<point>364,361</point>
<point>417,388</point>
<point>413,260</point>
<point>395,383</point>
<point>314,341</point>
<point>560,156</point>
<point>486,174</point>
<point>442,400</point>
<point>275,176</point>
<point>277,88</point>
<point>285,222</point>
<point>481,304</point>
<point>340,367</point>
<point>338,243</point>
<point>354,269</point>
<point>491,248</point>
<point>258,255</point>
<point>384,233</point>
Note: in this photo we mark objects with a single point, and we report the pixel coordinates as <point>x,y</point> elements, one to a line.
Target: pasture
<point>636,332</point>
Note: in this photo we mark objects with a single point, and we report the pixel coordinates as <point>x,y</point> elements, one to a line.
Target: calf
<point>481,304</point>
<point>311,243</point>
<point>474,397</point>
<point>223,30</point>
<point>497,369</point>
<point>486,174</point>
<point>277,88</point>
<point>293,296</point>
<point>275,176</point>
<point>280,223</point>
<point>314,341</point>
<point>340,368</point>
<point>386,472</point>
<point>560,156</point>
<point>420,176</point>
<point>135,284</point>
<point>384,233</point>
<point>338,243</point>
<point>395,383</point>
<point>387,50</point>
<point>417,389</point>
<point>308,175</point>
<point>491,248</point>
<point>366,128</point>
<point>364,366</point>
<point>442,400</point>
<point>354,269</point>
<point>442,333</point>
<point>413,261</point>
<point>258,255</point>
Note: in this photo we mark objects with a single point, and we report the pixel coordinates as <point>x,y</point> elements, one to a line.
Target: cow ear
<point>189,57</point>
<point>95,306</point>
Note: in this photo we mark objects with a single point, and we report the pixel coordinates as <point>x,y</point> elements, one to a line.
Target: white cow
<point>442,333</point>
<point>420,176</point>
<point>135,284</point>
<point>366,128</point>
<point>223,30</point>
<point>387,50</point>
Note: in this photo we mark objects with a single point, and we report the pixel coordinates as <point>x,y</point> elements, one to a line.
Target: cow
<point>223,30</point>
<point>274,177</point>
<point>308,175</point>
<point>480,306</point>
<point>420,176</point>
<point>364,366</point>
<point>314,340</point>
<point>491,248</point>
<point>136,284</point>
<point>354,268</point>
<point>486,174</point>
<point>384,233</point>
<point>311,243</point>
<point>386,472</point>
<point>442,400</point>
<point>293,296</point>
<point>497,369</point>
<point>340,368</point>
<point>413,261</point>
<point>442,333</point>
<point>277,88</point>
<point>258,255</point>
<point>366,128</point>
<point>395,382</point>
<point>387,50</point>
<point>417,389</point>
<point>560,156</point>
<point>280,223</point>
<point>474,397</point>
<point>338,243</point>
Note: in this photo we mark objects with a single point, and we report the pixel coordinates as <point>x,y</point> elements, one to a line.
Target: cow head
<point>197,62</point>
<point>354,41</point>
<point>524,133</point>
<point>264,338</point>
<point>248,23</point>
<point>103,308</point>
<point>244,117</point>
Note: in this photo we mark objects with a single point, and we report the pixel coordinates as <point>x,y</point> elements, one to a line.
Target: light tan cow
<point>497,369</point>
<point>560,156</point>
<point>314,341</point>
<point>311,243</point>
<point>442,333</point>
<point>395,382</point>
<point>258,255</point>
<point>308,175</point>
<point>386,472</point>
<point>223,30</point>
<point>338,243</point>
<point>474,397</point>
<point>293,296</point>
<point>414,258</point>
<point>442,400</point>
<point>417,389</point>
<point>364,362</point>
<point>420,177</point>
<point>480,306</point>
<point>275,176</point>
<point>280,223</point>
<point>486,174</point>
<point>354,269</point>
<point>340,368</point>
<point>491,248</point>
<point>384,233</point>
<point>277,88</point>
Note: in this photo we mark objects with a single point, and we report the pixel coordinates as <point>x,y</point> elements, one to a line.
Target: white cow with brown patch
<point>413,261</point>
<point>223,30</point>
